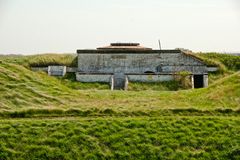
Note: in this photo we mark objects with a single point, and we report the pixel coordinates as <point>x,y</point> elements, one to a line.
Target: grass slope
<point>231,62</point>
<point>22,89</point>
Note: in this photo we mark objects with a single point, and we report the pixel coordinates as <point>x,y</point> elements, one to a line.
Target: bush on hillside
<point>184,79</point>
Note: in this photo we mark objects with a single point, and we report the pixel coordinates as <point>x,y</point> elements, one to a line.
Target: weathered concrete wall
<point>108,78</point>
<point>205,81</point>
<point>149,78</point>
<point>71,69</point>
<point>138,63</point>
<point>93,77</point>
<point>212,69</point>
<point>57,70</point>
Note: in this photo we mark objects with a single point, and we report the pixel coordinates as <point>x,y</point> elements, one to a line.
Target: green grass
<point>21,87</point>
<point>118,138</point>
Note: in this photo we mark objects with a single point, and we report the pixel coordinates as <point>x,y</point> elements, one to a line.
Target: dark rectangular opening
<point>119,81</point>
<point>198,81</point>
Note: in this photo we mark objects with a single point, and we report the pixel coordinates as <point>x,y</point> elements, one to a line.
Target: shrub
<point>184,78</point>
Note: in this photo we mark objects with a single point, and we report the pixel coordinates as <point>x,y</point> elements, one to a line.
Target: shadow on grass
<point>31,113</point>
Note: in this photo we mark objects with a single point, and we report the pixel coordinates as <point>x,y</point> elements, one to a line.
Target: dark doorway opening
<point>198,81</point>
<point>119,81</point>
<point>159,68</point>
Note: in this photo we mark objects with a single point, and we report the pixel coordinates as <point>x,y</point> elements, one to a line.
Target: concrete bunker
<point>121,63</point>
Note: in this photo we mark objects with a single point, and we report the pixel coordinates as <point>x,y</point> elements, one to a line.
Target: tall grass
<point>231,62</point>
<point>42,60</point>
<point>222,61</point>
<point>53,59</point>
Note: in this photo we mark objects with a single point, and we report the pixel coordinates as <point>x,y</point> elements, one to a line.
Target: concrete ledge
<point>212,69</point>
<point>45,69</point>
<point>93,77</point>
<point>150,78</point>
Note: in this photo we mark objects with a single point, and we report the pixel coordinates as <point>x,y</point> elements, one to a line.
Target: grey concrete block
<point>57,70</point>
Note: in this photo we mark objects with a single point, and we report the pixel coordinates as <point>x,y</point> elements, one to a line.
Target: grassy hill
<point>22,90</point>
<point>44,117</point>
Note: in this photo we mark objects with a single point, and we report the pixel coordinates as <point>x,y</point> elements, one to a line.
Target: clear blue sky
<point>44,26</point>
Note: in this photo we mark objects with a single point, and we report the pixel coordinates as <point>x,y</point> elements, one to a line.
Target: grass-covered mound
<point>42,60</point>
<point>21,88</point>
<point>231,62</point>
<point>45,60</point>
<point>25,91</point>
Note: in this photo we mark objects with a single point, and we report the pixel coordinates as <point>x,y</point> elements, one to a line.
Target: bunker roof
<point>124,46</point>
<point>132,48</point>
